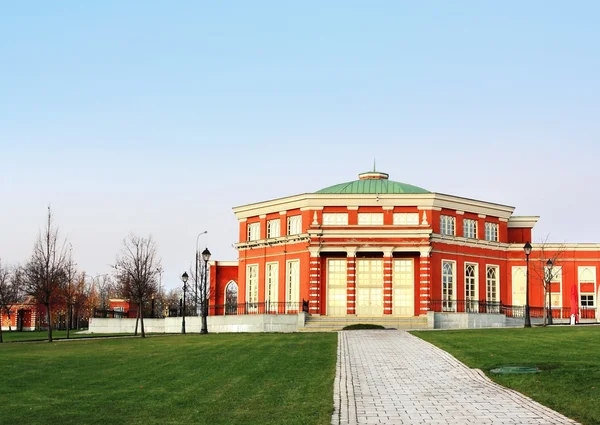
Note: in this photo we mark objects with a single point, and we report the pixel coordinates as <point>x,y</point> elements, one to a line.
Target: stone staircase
<point>325,324</point>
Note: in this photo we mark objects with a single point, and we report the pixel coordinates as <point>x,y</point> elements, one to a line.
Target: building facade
<point>375,247</point>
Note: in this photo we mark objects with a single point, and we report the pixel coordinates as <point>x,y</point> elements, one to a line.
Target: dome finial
<point>374,165</point>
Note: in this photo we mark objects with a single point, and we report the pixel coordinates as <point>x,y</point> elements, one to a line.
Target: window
<point>336,282</point>
<point>335,219</point>
<point>587,300</point>
<point>491,284</point>
<point>253,231</point>
<point>554,277</point>
<point>292,290</point>
<point>370,219</point>
<point>271,289</point>
<point>471,287</point>
<point>406,219</point>
<point>252,287</point>
<point>446,225</point>
<point>448,286</point>
<point>294,225</point>
<point>470,228</point>
<point>587,289</point>
<point>491,232</point>
<point>273,228</point>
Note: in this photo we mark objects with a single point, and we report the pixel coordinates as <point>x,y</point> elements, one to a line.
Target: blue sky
<point>159,117</point>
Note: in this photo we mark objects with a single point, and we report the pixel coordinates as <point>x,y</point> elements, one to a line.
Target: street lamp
<point>549,265</point>
<point>196,277</point>
<point>205,257</point>
<point>184,278</point>
<point>527,249</point>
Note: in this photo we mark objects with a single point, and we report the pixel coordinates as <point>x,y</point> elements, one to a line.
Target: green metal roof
<point>374,186</point>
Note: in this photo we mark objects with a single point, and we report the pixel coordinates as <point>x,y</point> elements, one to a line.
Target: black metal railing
<point>258,308</point>
<point>465,306</point>
<point>113,314</point>
<point>516,311</point>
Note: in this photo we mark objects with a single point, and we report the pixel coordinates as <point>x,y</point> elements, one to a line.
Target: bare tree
<point>9,293</point>
<point>137,269</point>
<point>547,270</point>
<point>45,270</point>
<point>70,288</point>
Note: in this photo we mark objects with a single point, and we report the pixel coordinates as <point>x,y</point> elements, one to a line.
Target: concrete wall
<point>216,324</point>
<point>465,320</point>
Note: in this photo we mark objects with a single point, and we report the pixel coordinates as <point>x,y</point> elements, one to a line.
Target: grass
<point>200,379</point>
<point>360,326</point>
<point>569,359</point>
<point>15,336</point>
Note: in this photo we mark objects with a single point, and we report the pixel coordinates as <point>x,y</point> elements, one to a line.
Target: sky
<point>157,117</point>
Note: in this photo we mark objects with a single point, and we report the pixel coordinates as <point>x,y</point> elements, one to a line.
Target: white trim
<point>526,222</point>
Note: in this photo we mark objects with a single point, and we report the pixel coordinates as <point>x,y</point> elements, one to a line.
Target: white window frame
<point>271,285</point>
<point>337,286</point>
<point>253,231</point>
<point>370,219</point>
<point>252,287</point>
<point>274,228</point>
<point>471,300</point>
<point>294,225</point>
<point>491,231</point>
<point>448,225</point>
<point>406,219</point>
<point>555,278</point>
<point>335,219</point>
<point>496,283</point>
<point>292,283</point>
<point>592,270</point>
<point>449,303</point>
<point>470,228</point>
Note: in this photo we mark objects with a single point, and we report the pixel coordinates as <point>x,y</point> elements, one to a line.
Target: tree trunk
<point>1,340</point>
<point>137,319</point>
<point>68,320</point>
<point>9,322</point>
<point>49,322</point>
<point>142,318</point>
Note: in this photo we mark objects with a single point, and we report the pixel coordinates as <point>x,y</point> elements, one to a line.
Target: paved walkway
<point>392,377</point>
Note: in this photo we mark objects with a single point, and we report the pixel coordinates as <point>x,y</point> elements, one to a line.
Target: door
<point>369,287</point>
<point>403,281</point>
<point>519,282</point>
<point>336,287</point>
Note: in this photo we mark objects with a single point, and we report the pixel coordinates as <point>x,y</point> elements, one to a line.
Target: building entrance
<point>369,287</point>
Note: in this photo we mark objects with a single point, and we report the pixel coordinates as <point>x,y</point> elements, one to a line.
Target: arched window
<point>231,298</point>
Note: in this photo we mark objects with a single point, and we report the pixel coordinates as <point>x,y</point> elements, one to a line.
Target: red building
<point>375,248</point>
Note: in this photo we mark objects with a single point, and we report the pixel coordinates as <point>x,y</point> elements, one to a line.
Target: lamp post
<point>527,249</point>
<point>205,257</point>
<point>184,278</point>
<point>196,277</point>
<point>549,265</point>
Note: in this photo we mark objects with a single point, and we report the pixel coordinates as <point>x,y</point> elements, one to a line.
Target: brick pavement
<point>392,377</point>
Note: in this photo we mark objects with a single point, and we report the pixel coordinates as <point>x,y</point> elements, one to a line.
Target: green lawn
<point>569,357</point>
<point>43,335</point>
<point>200,379</point>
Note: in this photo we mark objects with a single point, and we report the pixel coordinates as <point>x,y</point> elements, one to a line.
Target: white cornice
<point>427,201</point>
<point>526,222</point>
<point>367,233</point>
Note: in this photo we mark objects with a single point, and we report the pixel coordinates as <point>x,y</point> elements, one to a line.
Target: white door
<point>403,281</point>
<point>336,287</point>
<point>519,282</point>
<point>369,287</point>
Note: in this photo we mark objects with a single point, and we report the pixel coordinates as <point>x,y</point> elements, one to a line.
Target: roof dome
<point>374,182</point>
